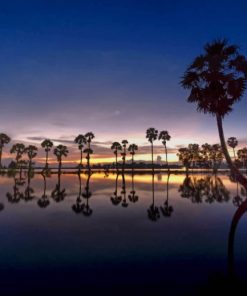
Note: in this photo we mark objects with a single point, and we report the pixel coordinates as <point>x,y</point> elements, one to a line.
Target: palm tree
<point>216,80</point>
<point>47,144</point>
<point>81,141</point>
<point>233,143</point>
<point>116,146</point>
<point>164,136</point>
<point>59,152</point>
<point>124,145</point>
<point>132,149</point>
<point>31,153</point>
<point>19,149</point>
<point>4,139</point>
<point>242,156</point>
<point>88,136</point>
<point>151,135</point>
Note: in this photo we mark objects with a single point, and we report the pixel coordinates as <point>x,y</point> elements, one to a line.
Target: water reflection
<point>146,199</point>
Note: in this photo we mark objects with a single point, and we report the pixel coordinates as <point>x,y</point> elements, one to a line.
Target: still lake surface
<point>124,234</point>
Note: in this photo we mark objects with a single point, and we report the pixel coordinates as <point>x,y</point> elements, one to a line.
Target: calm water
<point>125,235</point>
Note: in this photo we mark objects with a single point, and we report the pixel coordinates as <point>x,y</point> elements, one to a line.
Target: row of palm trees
<point>206,155</point>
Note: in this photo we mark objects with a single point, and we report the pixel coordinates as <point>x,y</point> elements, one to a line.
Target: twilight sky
<point>111,67</point>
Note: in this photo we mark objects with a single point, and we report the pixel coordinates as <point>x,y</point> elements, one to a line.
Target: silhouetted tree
<point>124,145</point>
<point>152,135</point>
<point>59,152</point>
<point>233,143</point>
<point>88,136</point>
<point>58,194</point>
<point>116,146</point>
<point>116,199</point>
<point>132,150</point>
<point>167,210</point>
<point>43,202</point>
<point>86,210</point>
<point>164,136</point>
<point>19,149</point>
<point>184,155</point>
<point>4,139</point>
<point>153,211</point>
<point>77,207</point>
<point>81,141</point>
<point>31,152</point>
<point>242,156</point>
<point>47,145</point>
<point>217,80</point>
<point>132,196</point>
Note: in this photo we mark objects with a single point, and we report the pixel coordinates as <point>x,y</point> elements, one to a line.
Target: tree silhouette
<point>19,150</point>
<point>123,191</point>
<point>43,202</point>
<point>242,156</point>
<point>233,143</point>
<point>153,210</point>
<point>132,196</point>
<point>185,156</point>
<point>164,136</point>
<point>88,136</point>
<point>47,145</point>
<point>116,199</point>
<point>216,80</point>
<point>167,210</point>
<point>116,146</point>
<point>31,152</point>
<point>4,139</point>
<point>16,196</point>
<point>81,141</point>
<point>132,150</point>
<point>58,194</point>
<point>77,207</point>
<point>124,145</point>
<point>152,135</point>
<point>86,210</point>
<point>59,152</point>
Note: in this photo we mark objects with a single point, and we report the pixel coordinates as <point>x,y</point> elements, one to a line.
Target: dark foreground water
<point>122,236</point>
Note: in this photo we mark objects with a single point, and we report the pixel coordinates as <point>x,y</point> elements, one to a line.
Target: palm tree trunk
<point>116,162</point>
<point>166,157</point>
<point>46,160</point>
<point>1,158</point>
<point>152,152</point>
<point>59,167</point>
<point>233,169</point>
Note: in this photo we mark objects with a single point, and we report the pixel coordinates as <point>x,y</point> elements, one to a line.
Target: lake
<point>122,234</point>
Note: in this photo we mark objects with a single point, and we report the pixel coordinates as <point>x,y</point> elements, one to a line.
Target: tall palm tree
<point>19,150</point>
<point>124,145</point>
<point>216,80</point>
<point>88,136</point>
<point>47,145</point>
<point>4,139</point>
<point>132,150</point>
<point>164,136</point>
<point>152,135</point>
<point>81,141</point>
<point>31,151</point>
<point>233,143</point>
<point>59,152</point>
<point>116,146</point>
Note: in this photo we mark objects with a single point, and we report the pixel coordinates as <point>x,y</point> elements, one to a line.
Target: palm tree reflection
<point>116,199</point>
<point>43,202</point>
<point>153,211</point>
<point>86,210</point>
<point>209,188</point>
<point>58,194</point>
<point>17,195</point>
<point>167,210</point>
<point>124,202</point>
<point>29,191</point>
<point>77,207</point>
<point>132,196</point>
